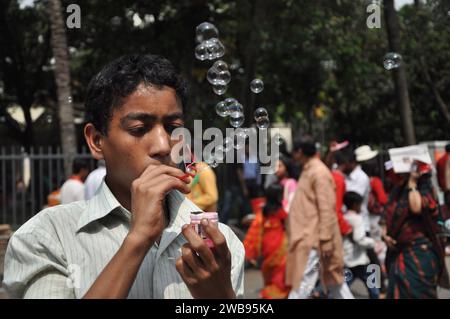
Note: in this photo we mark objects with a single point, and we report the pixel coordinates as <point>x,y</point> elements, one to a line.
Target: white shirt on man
<point>359,182</point>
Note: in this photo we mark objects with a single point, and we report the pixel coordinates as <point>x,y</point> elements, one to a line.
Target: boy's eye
<point>172,126</point>
<point>138,131</point>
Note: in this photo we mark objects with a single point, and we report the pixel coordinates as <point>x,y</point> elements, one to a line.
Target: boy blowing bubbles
<point>132,107</point>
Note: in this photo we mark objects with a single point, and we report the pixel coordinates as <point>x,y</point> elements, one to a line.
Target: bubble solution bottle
<point>196,224</point>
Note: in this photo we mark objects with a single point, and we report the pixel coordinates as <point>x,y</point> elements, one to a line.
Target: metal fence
<point>26,179</point>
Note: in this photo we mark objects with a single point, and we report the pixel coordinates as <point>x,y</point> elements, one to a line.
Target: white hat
<point>365,153</point>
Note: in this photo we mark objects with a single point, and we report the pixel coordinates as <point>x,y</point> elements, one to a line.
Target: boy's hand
<point>148,192</point>
<point>206,272</point>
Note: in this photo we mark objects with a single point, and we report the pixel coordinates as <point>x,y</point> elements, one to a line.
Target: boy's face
<point>139,133</point>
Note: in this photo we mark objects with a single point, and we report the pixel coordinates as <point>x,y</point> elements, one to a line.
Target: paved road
<point>254,283</point>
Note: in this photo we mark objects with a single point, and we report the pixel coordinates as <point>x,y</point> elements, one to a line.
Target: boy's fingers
<point>213,232</point>
<point>199,246</point>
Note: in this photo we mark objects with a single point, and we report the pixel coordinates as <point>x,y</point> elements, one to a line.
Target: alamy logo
<point>374,19</point>
<point>73,20</point>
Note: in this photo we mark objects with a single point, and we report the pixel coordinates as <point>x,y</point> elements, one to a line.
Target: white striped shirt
<point>60,252</point>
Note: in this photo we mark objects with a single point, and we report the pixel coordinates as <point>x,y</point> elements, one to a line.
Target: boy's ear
<point>94,140</point>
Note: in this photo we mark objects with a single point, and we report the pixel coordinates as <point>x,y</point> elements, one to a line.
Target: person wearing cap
<point>313,232</point>
<point>376,204</point>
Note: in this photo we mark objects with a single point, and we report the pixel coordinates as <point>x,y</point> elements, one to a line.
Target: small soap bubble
<point>227,144</point>
<point>220,66</point>
<point>278,138</point>
<point>239,139</point>
<point>348,275</point>
<point>260,113</point>
<point>212,162</point>
<point>218,152</point>
<point>220,89</point>
<point>200,52</point>
<point>205,31</point>
<point>235,107</point>
<point>222,109</point>
<point>214,76</point>
<point>263,123</point>
<point>257,86</point>
<point>236,119</point>
<point>392,60</point>
<point>214,49</point>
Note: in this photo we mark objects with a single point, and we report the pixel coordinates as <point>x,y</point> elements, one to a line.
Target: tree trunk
<point>62,79</point>
<point>399,74</point>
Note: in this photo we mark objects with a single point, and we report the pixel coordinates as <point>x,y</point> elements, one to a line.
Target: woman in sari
<point>415,258</point>
<point>274,245</point>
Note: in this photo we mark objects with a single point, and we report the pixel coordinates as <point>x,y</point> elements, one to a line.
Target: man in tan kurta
<point>313,230</point>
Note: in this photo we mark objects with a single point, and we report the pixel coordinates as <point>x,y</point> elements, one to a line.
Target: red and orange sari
<point>266,237</point>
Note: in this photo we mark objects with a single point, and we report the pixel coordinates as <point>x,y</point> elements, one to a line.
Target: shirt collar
<point>100,205</point>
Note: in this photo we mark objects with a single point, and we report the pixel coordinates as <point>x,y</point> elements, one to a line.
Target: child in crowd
<point>356,245</point>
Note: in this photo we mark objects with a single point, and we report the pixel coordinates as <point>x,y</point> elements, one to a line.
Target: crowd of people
<point>341,222</point>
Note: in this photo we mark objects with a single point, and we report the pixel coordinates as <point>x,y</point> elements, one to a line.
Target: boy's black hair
<point>78,164</point>
<point>351,199</point>
<point>120,78</point>
<point>307,145</point>
<point>274,197</point>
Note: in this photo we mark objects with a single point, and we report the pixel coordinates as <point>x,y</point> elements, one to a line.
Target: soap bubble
<point>236,119</point>
<point>260,113</point>
<point>222,109</point>
<point>257,86</point>
<point>201,52</point>
<point>230,102</point>
<point>214,48</point>
<point>239,138</point>
<point>392,60</point>
<point>227,144</point>
<point>220,66</point>
<point>205,31</point>
<point>212,162</point>
<point>215,76</point>
<point>218,152</point>
<point>235,107</point>
<point>348,275</point>
<point>220,89</point>
<point>263,123</point>
<point>278,138</point>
